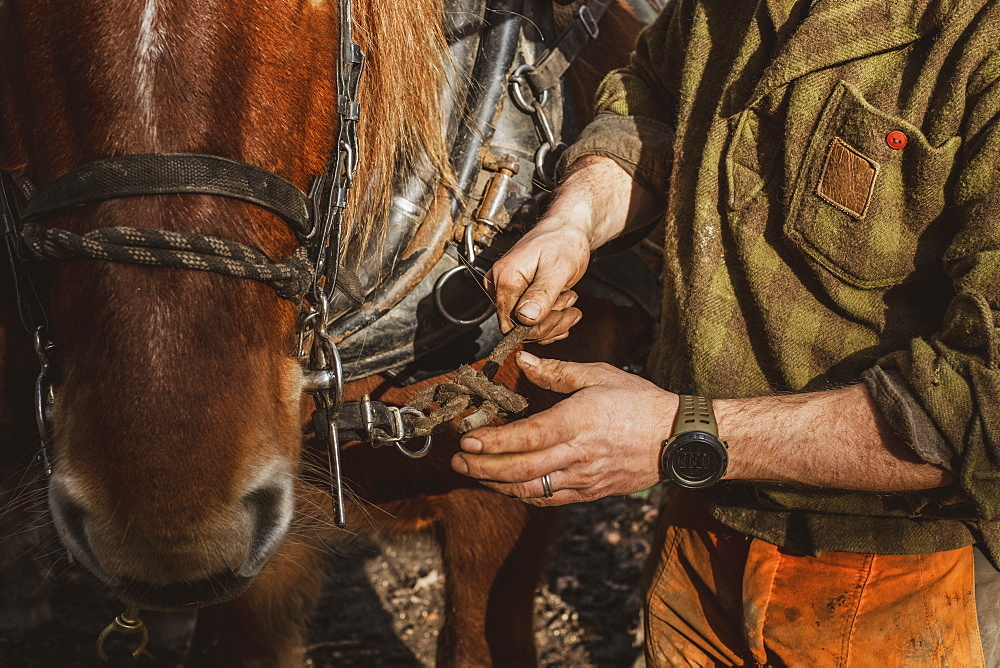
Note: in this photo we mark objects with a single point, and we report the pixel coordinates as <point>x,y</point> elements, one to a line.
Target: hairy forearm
<point>834,439</point>
<point>602,201</point>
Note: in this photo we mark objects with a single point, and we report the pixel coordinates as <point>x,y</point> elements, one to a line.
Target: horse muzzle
<point>179,596</point>
<point>152,566</point>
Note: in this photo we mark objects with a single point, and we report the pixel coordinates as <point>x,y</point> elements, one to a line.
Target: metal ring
<point>127,623</point>
<point>541,171</point>
<point>338,369</point>
<point>516,80</point>
<point>414,454</point>
<point>470,243</point>
<point>546,486</point>
<point>304,330</point>
<point>439,284</point>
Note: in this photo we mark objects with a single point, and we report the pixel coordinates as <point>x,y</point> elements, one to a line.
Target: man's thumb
<point>555,375</point>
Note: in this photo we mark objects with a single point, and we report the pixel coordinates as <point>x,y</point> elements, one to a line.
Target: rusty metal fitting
<point>490,216</point>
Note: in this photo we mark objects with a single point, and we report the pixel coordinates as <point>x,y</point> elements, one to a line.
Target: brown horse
<point>179,472</point>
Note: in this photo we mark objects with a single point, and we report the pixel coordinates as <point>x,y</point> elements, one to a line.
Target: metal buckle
<point>589,22</point>
<point>398,436</point>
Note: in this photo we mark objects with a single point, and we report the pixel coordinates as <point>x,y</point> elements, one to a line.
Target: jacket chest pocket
<point>868,203</point>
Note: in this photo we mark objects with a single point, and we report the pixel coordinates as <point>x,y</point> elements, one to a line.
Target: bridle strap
<point>172,173</point>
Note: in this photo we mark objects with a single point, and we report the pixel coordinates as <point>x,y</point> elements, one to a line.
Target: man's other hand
<point>604,439</point>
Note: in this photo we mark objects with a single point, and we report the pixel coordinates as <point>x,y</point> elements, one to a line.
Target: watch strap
<point>695,414</point>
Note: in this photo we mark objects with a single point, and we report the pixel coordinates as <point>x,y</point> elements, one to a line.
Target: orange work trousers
<point>718,597</point>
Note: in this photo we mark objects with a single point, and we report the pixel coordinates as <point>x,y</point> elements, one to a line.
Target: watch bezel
<point>671,447</point>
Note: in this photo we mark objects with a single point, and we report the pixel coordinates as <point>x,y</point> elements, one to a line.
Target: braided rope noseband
<point>131,175</point>
<point>291,279</point>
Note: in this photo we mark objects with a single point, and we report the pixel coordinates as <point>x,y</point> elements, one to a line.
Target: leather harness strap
<point>172,173</point>
<point>554,63</point>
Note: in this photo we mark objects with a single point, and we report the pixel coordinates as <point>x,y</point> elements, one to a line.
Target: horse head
<point>177,422</point>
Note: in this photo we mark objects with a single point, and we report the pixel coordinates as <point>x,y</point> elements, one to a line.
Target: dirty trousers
<point>718,597</point>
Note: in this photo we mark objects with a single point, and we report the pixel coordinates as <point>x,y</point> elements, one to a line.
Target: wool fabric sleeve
<point>636,107</point>
<point>955,373</point>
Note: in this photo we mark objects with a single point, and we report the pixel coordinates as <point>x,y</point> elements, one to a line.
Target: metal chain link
<point>534,106</point>
<point>330,192</point>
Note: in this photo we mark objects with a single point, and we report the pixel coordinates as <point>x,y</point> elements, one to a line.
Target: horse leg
<point>264,626</point>
<point>493,549</point>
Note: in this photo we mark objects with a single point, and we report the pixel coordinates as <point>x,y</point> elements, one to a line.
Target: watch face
<point>695,459</point>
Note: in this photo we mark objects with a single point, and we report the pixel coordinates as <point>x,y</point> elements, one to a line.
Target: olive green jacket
<point>832,185</point>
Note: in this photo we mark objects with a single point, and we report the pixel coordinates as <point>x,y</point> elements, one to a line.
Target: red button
<point>896,139</point>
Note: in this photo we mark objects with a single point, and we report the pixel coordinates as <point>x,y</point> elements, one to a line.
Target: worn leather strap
<point>172,173</point>
<point>553,64</point>
<point>353,426</point>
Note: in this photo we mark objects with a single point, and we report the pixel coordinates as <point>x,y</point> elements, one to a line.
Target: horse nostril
<point>270,511</point>
<point>70,519</point>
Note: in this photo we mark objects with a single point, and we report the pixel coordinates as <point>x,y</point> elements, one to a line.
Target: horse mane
<point>402,124</point>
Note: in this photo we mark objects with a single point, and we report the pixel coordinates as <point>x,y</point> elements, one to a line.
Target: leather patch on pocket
<point>847,179</point>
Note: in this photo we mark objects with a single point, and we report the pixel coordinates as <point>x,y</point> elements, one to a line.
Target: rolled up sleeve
<point>636,108</point>
<point>954,374</point>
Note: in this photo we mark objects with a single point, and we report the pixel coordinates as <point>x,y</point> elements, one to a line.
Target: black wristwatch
<point>693,456</point>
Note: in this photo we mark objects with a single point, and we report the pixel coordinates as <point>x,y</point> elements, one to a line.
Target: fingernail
<point>572,300</point>
<point>528,358</point>
<point>459,464</point>
<point>488,283</point>
<point>529,311</point>
<point>472,445</point>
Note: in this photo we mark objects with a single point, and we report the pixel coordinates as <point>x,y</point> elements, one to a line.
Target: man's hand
<point>603,439</point>
<point>595,204</point>
<point>533,276</point>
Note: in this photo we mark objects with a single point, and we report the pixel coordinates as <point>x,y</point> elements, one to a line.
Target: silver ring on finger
<point>546,486</point>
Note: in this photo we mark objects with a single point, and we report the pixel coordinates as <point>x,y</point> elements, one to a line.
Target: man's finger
<point>535,432</point>
<point>558,481</point>
<point>555,324</point>
<point>540,296</point>
<point>515,467</point>
<point>554,339</point>
<point>560,498</point>
<point>560,376</point>
<point>501,299</point>
<point>565,299</point>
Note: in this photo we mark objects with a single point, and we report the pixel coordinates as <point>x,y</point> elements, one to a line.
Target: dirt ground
<point>382,606</point>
